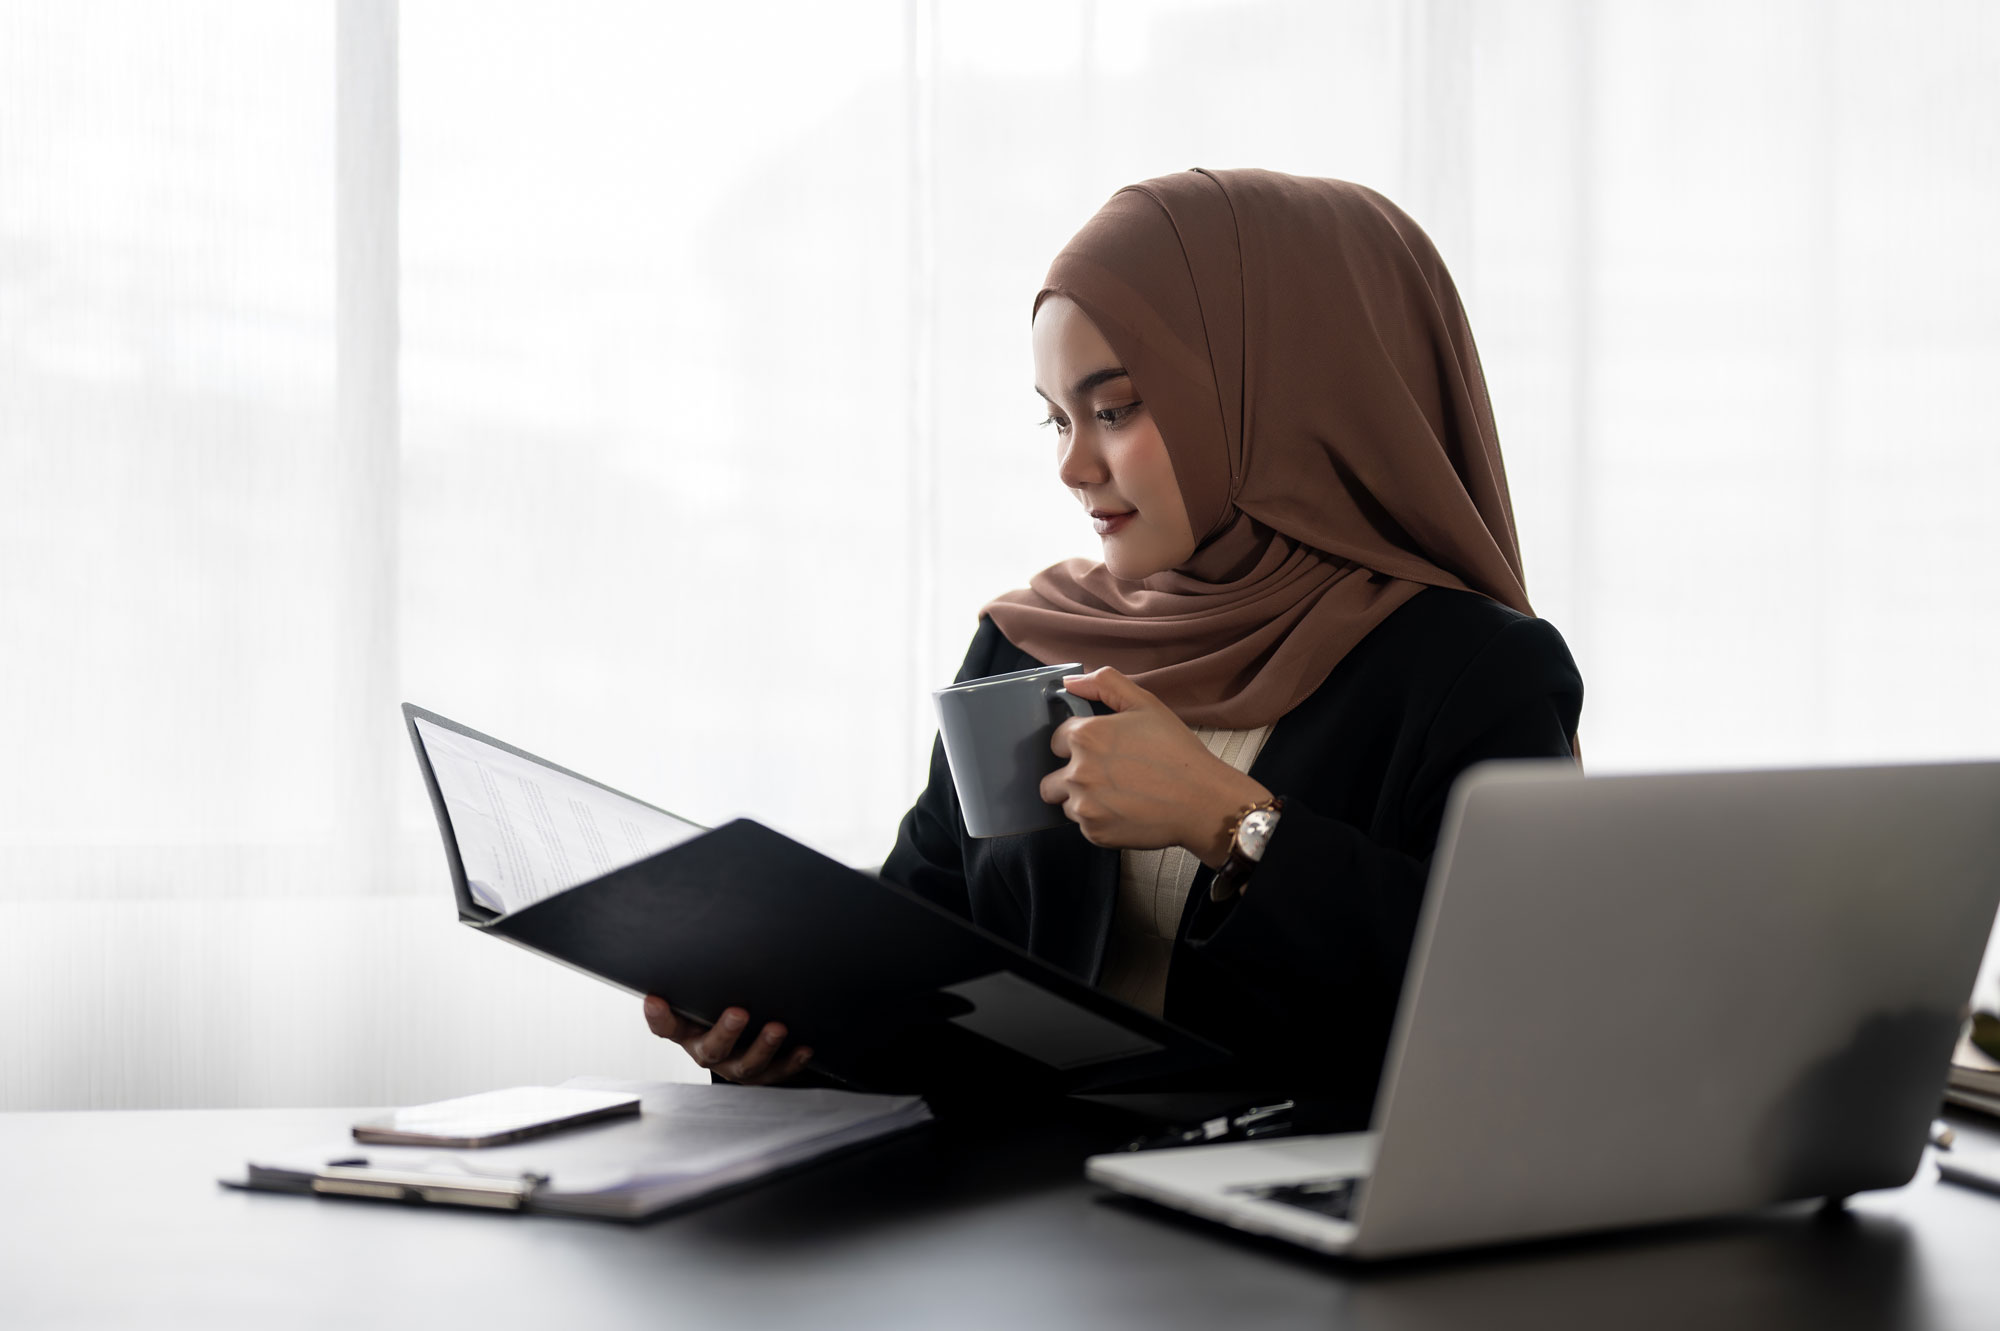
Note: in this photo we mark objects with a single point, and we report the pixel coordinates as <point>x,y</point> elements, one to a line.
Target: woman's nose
<point>1079,464</point>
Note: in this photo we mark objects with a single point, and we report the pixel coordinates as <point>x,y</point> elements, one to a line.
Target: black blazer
<point>1300,976</point>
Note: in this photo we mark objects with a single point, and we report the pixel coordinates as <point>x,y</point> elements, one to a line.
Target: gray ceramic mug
<point>996,735</point>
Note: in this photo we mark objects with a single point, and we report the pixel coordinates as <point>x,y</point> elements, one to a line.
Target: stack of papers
<point>687,1141</point>
<point>1974,1082</point>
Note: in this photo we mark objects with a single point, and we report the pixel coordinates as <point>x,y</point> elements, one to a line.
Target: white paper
<point>526,831</point>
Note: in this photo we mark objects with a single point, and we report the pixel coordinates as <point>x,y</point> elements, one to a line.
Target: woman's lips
<point>1106,523</point>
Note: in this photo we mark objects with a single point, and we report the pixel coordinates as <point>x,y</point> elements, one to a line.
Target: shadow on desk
<point>1781,1268</point>
<point>959,1163</point>
<point>1790,1267</point>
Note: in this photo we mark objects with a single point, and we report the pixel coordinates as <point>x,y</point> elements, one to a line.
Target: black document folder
<point>891,992</point>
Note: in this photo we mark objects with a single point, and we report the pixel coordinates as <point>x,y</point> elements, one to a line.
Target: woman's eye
<point>1114,415</point>
<point>1058,422</point>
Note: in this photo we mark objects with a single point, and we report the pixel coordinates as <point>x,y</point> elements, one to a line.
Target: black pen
<point>1257,1121</point>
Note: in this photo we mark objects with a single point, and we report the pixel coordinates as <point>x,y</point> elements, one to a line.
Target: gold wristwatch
<point>1249,832</point>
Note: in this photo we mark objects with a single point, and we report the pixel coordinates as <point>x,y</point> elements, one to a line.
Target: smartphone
<point>493,1118</point>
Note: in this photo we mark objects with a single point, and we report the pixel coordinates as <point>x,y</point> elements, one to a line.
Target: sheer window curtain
<point>648,384</point>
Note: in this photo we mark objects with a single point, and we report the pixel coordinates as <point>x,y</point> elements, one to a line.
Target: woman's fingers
<point>719,1041</point>
<point>751,1064</point>
<point>781,1069</point>
<point>660,1019</point>
<point>714,1048</point>
<point>1110,687</point>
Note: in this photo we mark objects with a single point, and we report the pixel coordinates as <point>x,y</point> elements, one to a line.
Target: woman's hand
<point>1140,780</point>
<point>714,1047</point>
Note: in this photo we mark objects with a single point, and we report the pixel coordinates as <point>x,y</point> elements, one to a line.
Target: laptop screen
<point>526,830</point>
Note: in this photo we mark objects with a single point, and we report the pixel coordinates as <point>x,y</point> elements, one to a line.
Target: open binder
<point>891,992</point>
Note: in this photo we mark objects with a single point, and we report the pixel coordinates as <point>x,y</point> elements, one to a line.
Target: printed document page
<point>526,831</point>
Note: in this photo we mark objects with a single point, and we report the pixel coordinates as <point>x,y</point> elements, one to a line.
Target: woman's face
<point>1108,449</point>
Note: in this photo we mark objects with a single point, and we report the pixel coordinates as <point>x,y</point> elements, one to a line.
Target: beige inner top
<point>1153,887</point>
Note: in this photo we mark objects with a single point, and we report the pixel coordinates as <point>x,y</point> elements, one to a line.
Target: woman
<point>1308,620</point>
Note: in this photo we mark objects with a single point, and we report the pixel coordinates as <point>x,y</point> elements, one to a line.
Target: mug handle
<point>1077,706</point>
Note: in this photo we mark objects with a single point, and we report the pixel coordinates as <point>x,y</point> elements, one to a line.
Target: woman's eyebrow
<point>1091,380</point>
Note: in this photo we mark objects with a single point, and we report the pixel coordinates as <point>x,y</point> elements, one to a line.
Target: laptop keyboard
<point>1322,1196</point>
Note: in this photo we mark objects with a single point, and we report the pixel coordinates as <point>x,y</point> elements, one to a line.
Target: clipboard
<point>691,1143</point>
<point>395,1185</point>
<point>891,992</point>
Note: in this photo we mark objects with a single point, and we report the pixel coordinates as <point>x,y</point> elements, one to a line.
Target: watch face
<point>1255,832</point>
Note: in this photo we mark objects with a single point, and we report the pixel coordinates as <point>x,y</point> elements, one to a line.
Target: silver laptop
<point>1637,999</point>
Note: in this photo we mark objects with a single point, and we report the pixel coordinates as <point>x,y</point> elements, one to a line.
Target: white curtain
<point>648,384</point>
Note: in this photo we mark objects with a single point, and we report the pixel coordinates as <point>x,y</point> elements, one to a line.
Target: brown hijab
<point>1304,353</point>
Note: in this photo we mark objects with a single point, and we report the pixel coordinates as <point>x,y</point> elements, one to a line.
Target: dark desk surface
<point>115,1219</point>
